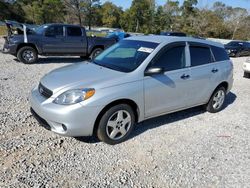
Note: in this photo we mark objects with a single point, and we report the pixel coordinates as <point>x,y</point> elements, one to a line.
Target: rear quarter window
<point>220,54</point>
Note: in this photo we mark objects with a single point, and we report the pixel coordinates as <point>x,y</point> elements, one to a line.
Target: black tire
<point>95,52</point>
<point>211,106</point>
<point>104,131</point>
<point>238,54</point>
<point>27,55</point>
<point>246,75</point>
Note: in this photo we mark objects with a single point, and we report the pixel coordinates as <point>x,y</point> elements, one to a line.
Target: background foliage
<point>220,20</point>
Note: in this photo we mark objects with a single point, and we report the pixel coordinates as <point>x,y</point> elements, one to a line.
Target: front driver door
<point>167,92</point>
<point>53,40</point>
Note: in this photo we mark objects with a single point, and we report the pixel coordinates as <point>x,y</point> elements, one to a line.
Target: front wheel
<point>116,124</point>
<point>27,55</point>
<point>217,100</point>
<point>246,75</point>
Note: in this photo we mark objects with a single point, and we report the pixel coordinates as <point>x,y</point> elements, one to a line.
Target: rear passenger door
<point>203,73</point>
<point>76,40</point>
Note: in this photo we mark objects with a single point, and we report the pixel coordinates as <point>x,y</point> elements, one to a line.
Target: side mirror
<point>153,71</point>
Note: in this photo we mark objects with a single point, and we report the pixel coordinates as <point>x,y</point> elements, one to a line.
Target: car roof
<point>69,25</point>
<point>168,39</point>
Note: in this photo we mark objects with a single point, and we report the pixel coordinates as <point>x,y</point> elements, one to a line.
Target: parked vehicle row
<point>238,48</point>
<point>51,40</point>
<point>246,68</point>
<point>136,79</point>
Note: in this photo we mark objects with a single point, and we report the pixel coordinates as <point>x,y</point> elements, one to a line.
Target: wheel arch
<point>129,102</point>
<point>26,44</point>
<point>223,84</point>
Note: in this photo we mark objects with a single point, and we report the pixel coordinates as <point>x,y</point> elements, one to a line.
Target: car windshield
<point>126,55</point>
<point>235,44</point>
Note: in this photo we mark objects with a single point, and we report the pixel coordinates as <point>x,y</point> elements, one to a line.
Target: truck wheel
<point>27,55</point>
<point>116,124</point>
<point>95,52</point>
<point>246,75</point>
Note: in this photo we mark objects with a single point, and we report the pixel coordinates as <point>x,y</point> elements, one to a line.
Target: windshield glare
<point>126,55</point>
<point>40,29</point>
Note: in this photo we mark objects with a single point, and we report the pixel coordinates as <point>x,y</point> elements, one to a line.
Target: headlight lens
<point>74,96</point>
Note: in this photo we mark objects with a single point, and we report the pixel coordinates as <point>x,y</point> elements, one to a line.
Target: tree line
<point>219,20</point>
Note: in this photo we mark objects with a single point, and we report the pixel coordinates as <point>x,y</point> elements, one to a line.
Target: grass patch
<point>3,30</point>
<point>97,34</point>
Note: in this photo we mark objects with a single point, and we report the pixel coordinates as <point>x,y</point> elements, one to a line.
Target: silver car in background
<point>134,80</point>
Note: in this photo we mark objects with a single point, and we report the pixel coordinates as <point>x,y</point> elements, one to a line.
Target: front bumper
<point>231,53</point>
<point>9,48</point>
<point>67,120</point>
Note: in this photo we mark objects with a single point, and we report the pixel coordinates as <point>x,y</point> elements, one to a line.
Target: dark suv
<point>176,34</point>
<point>52,40</point>
<point>238,48</point>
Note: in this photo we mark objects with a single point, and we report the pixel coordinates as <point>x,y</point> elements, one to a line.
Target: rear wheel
<point>116,124</point>
<point>217,100</point>
<point>95,52</point>
<point>27,55</point>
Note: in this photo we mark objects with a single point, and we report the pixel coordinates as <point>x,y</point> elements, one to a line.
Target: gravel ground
<point>191,148</point>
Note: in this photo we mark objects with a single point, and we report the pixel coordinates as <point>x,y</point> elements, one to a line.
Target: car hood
<point>83,75</point>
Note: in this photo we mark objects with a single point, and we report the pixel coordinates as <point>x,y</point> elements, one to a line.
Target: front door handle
<point>185,77</point>
<point>215,70</point>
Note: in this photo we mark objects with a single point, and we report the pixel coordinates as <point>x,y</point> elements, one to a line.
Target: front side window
<point>74,31</point>
<point>200,55</point>
<point>126,55</point>
<point>54,31</point>
<point>171,59</point>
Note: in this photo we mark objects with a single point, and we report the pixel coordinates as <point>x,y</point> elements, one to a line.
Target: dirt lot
<point>191,148</point>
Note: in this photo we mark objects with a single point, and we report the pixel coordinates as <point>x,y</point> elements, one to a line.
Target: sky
<point>202,3</point>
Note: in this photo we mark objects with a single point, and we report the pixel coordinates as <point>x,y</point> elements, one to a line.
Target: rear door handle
<point>215,70</point>
<point>185,77</point>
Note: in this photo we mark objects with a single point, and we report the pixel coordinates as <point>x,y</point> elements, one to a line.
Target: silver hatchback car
<point>135,79</point>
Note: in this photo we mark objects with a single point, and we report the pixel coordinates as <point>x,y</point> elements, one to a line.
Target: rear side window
<point>200,55</point>
<point>74,31</point>
<point>220,54</point>
<point>172,59</point>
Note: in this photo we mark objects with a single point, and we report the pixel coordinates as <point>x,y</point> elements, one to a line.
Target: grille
<point>44,91</point>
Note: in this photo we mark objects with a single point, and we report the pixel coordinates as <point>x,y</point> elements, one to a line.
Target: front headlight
<point>74,96</point>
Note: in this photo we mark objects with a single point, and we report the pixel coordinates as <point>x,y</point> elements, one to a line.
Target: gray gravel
<point>191,148</point>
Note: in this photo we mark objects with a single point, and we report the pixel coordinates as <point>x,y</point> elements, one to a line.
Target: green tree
<point>43,11</point>
<point>90,11</point>
<point>139,16</point>
<point>111,15</point>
